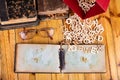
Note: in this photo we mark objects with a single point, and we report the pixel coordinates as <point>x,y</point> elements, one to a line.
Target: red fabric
<point>100,7</point>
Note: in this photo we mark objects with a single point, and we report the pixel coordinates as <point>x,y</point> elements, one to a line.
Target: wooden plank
<point>110,48</point>
<point>58,37</point>
<point>24,76</point>
<point>32,76</point>
<point>92,76</point>
<point>115,26</point>
<point>106,75</point>
<point>7,46</point>
<point>43,77</point>
<point>57,24</point>
<point>3,60</point>
<point>19,40</point>
<point>62,77</point>
<point>40,39</point>
<point>4,68</point>
<point>0,65</point>
<point>53,76</point>
<point>53,23</point>
<point>73,77</point>
<point>115,7</point>
<point>81,76</point>
<point>116,33</point>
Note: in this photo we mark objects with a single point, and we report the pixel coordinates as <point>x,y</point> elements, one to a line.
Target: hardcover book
<point>51,59</point>
<point>51,7</point>
<point>16,13</point>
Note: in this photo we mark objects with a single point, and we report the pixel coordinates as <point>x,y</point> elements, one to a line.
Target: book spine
<point>62,59</point>
<point>3,10</point>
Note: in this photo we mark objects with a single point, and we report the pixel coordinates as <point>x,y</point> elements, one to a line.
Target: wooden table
<point>111,23</point>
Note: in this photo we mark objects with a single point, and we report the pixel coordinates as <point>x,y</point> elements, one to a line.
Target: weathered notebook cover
<point>45,58</point>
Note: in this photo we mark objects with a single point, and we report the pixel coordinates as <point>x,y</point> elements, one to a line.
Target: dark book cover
<point>17,13</point>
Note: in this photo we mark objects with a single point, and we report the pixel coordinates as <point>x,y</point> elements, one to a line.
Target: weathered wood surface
<point>111,22</point>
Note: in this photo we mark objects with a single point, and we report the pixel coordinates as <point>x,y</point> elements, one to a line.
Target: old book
<point>17,11</point>
<point>47,58</point>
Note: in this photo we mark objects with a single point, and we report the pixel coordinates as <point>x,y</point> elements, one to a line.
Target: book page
<point>37,58</point>
<point>85,58</point>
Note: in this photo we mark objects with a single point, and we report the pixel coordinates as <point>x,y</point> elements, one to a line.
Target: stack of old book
<point>23,13</point>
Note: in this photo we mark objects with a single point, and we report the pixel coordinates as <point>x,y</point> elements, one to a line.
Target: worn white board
<point>45,58</point>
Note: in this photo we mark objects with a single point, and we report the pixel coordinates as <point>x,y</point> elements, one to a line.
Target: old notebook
<point>45,58</point>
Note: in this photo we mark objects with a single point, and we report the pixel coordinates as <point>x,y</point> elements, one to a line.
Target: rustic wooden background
<point>111,23</point>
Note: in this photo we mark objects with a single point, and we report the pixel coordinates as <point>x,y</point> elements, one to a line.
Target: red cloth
<point>100,7</point>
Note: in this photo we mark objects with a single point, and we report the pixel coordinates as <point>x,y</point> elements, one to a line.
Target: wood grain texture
<point>24,76</point>
<point>40,39</point>
<point>115,7</point>
<point>116,33</point>
<point>8,44</point>
<point>110,48</point>
<point>110,21</point>
<point>107,75</point>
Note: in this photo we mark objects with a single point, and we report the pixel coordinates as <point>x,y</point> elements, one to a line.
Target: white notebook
<point>45,58</point>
